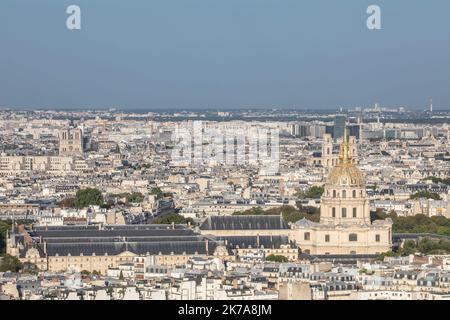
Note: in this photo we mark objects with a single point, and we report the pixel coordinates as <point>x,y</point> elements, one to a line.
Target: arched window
<point>354,193</point>
<point>333,212</point>
<point>354,212</point>
<point>334,193</point>
<point>344,212</point>
<point>353,237</point>
<point>344,194</point>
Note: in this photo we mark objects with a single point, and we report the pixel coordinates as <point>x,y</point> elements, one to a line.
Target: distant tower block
<point>71,142</point>
<point>431,105</point>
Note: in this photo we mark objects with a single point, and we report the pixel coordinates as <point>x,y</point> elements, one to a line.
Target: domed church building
<point>345,227</point>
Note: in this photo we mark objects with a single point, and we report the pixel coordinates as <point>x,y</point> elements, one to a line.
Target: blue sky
<point>224,54</point>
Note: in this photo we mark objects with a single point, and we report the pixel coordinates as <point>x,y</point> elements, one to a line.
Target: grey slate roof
<point>250,222</point>
<point>139,248</point>
<point>273,242</point>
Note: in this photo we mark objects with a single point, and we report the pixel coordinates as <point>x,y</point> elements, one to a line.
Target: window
<point>354,212</point>
<point>307,236</point>
<point>344,194</point>
<point>377,238</point>
<point>327,238</point>
<point>344,212</point>
<point>353,237</point>
<point>354,193</point>
<point>334,193</point>
<point>333,212</point>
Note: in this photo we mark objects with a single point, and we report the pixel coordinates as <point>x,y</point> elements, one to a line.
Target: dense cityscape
<point>262,204</point>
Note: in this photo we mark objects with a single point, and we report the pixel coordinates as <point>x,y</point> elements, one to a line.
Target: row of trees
<point>84,198</point>
<point>134,197</point>
<point>276,258</point>
<point>439,180</point>
<point>311,193</point>
<point>290,213</point>
<point>93,197</point>
<point>425,246</point>
<point>4,227</point>
<point>173,218</point>
<point>416,224</point>
<point>425,195</point>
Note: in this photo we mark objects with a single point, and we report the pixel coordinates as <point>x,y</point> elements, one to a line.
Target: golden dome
<point>345,173</point>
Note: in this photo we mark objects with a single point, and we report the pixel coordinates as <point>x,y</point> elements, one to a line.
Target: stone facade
<point>345,226</point>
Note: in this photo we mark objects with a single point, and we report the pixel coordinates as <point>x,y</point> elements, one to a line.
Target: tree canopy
<point>4,227</point>
<point>312,193</point>
<point>173,218</point>
<point>290,213</point>
<point>10,263</point>
<point>426,195</point>
<point>439,180</point>
<point>88,197</point>
<point>276,258</point>
<point>417,224</point>
<point>424,245</point>
<point>158,192</point>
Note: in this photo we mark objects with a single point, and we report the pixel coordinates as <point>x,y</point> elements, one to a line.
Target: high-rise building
<point>339,127</point>
<point>354,130</point>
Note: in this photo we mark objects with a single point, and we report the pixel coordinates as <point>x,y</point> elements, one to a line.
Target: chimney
<point>207,247</point>
<point>173,225</point>
<point>45,247</point>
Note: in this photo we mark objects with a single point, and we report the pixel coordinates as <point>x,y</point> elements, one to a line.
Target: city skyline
<point>224,55</point>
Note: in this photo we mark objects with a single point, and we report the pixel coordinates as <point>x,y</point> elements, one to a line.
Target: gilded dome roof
<point>345,173</point>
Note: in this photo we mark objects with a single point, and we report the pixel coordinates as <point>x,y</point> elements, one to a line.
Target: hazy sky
<point>224,53</point>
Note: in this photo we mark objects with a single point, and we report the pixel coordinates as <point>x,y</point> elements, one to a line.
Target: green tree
<point>276,258</point>
<point>135,197</point>
<point>409,247</point>
<point>419,223</point>
<point>173,218</point>
<point>88,197</point>
<point>426,195</point>
<point>438,180</point>
<point>4,227</point>
<point>85,273</point>
<point>290,213</point>
<point>158,192</point>
<point>312,193</point>
<point>10,263</point>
